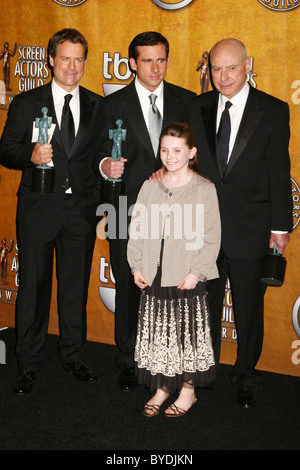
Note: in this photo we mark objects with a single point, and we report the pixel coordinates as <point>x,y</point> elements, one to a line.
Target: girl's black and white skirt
<point>173,342</point>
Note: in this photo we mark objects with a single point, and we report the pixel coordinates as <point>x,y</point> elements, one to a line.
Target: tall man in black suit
<point>254,191</point>
<point>64,220</point>
<point>148,57</point>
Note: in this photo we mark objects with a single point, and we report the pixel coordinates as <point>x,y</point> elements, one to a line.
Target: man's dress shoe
<point>81,371</point>
<point>247,396</point>
<point>24,383</point>
<point>127,379</point>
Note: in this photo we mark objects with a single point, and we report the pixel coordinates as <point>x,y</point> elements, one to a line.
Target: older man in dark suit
<point>63,220</point>
<point>148,57</point>
<point>243,138</point>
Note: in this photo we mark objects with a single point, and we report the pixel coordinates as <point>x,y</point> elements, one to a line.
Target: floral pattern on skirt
<point>173,342</point>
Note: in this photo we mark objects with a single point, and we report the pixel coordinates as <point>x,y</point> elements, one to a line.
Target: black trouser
<point>39,235</point>
<point>127,303</point>
<point>248,306</point>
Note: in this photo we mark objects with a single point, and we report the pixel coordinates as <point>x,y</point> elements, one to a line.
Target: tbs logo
<point>107,288</point>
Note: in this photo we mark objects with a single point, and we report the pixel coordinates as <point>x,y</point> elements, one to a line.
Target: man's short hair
<point>148,38</point>
<point>63,35</point>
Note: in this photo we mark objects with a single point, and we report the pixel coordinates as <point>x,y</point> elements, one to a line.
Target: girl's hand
<point>139,280</point>
<point>188,282</point>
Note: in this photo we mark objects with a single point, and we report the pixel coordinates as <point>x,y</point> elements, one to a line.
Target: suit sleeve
<point>280,181</point>
<point>204,262</point>
<point>106,144</point>
<point>16,146</point>
<point>137,225</point>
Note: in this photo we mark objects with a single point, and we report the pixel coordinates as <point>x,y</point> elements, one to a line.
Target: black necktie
<point>67,125</point>
<point>223,137</point>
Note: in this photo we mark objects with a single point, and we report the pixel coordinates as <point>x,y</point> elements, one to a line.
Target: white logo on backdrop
<point>172,6</point>
<point>280,5</point>
<point>69,3</point>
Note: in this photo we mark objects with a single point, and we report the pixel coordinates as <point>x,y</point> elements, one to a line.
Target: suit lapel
<point>135,115</point>
<point>86,114</point>
<point>46,99</point>
<point>251,117</point>
<point>171,105</point>
<point>209,116</point>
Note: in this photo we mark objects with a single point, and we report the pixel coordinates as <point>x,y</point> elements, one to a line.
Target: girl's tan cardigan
<point>188,218</point>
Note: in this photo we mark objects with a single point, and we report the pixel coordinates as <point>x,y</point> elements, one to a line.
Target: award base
<point>110,192</point>
<point>42,180</point>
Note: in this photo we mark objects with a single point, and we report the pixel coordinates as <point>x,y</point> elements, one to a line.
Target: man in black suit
<point>64,220</point>
<point>254,191</point>
<point>148,58</point>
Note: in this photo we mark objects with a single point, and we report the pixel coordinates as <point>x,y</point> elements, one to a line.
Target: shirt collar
<point>59,93</point>
<point>143,92</point>
<point>238,100</point>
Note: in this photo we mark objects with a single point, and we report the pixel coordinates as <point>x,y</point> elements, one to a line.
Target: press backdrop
<point>270,30</point>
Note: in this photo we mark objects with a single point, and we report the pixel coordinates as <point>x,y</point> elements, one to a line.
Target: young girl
<point>172,250</point>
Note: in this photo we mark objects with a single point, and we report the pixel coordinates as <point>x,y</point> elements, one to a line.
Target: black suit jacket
<point>255,192</point>
<point>16,148</point>
<point>124,104</point>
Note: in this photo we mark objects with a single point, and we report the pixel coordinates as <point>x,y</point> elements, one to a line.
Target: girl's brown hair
<point>184,131</point>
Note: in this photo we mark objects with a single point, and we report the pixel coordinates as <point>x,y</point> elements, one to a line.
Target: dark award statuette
<point>43,175</point>
<point>112,188</point>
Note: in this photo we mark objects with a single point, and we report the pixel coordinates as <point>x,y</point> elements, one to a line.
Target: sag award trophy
<point>43,175</point>
<point>112,188</point>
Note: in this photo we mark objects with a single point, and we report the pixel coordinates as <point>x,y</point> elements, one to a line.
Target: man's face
<point>229,68</point>
<point>68,65</point>
<point>151,65</point>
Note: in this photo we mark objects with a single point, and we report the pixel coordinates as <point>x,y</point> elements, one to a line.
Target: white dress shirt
<point>143,95</point>
<point>58,94</point>
<point>236,112</point>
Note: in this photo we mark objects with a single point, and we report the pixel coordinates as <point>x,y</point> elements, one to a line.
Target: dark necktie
<point>223,137</point>
<point>155,122</point>
<point>67,125</point>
